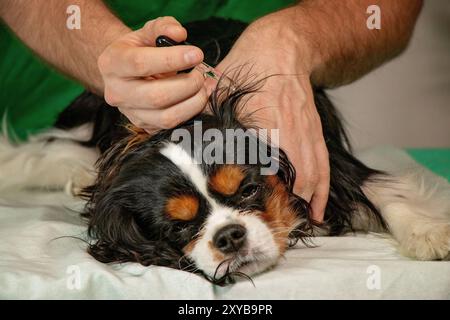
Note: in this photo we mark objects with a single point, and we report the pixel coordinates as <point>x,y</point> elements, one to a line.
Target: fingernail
<point>191,56</point>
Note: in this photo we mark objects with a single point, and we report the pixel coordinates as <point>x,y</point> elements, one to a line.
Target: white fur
<point>178,156</point>
<point>40,165</point>
<point>418,216</point>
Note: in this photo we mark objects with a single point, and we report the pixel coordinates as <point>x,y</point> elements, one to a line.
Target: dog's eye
<point>249,191</point>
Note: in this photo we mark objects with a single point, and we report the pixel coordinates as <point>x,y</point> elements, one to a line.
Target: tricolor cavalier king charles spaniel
<point>150,202</point>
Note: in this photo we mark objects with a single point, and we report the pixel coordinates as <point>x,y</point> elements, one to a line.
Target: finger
<point>167,26</point>
<point>306,169</point>
<point>163,75</point>
<point>147,61</point>
<point>171,117</point>
<point>129,113</point>
<point>321,193</point>
<point>319,201</point>
<point>210,85</point>
<point>160,93</point>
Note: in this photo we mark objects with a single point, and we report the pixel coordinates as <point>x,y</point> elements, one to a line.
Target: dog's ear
<point>116,234</point>
<point>110,162</point>
<point>118,237</point>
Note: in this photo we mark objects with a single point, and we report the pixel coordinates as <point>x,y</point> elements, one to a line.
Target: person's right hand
<point>141,80</point>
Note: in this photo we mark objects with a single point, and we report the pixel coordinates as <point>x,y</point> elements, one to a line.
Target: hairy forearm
<point>333,38</point>
<point>41,25</point>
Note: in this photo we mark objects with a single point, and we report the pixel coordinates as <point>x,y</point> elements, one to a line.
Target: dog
<point>150,201</point>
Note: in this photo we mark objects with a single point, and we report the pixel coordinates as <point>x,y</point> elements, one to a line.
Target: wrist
<point>115,31</point>
<point>287,31</point>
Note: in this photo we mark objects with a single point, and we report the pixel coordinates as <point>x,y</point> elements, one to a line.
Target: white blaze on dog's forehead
<point>187,165</point>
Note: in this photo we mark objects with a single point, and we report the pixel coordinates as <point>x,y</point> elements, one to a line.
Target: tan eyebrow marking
<point>184,207</point>
<point>227,179</point>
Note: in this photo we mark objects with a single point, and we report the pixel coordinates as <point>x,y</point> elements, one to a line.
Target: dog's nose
<point>230,238</point>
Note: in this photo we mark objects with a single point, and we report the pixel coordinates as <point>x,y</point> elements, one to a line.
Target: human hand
<point>142,81</point>
<point>286,102</point>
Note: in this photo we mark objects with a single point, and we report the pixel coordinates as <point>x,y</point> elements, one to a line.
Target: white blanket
<point>36,265</point>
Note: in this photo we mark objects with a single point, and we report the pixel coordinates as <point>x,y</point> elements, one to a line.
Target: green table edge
<point>435,159</point>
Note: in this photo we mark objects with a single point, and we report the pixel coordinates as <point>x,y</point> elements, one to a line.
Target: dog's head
<point>162,200</point>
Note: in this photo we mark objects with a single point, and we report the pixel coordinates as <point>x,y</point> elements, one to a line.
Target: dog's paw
<point>429,240</point>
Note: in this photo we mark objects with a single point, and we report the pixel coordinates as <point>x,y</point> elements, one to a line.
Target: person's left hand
<point>286,102</point>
